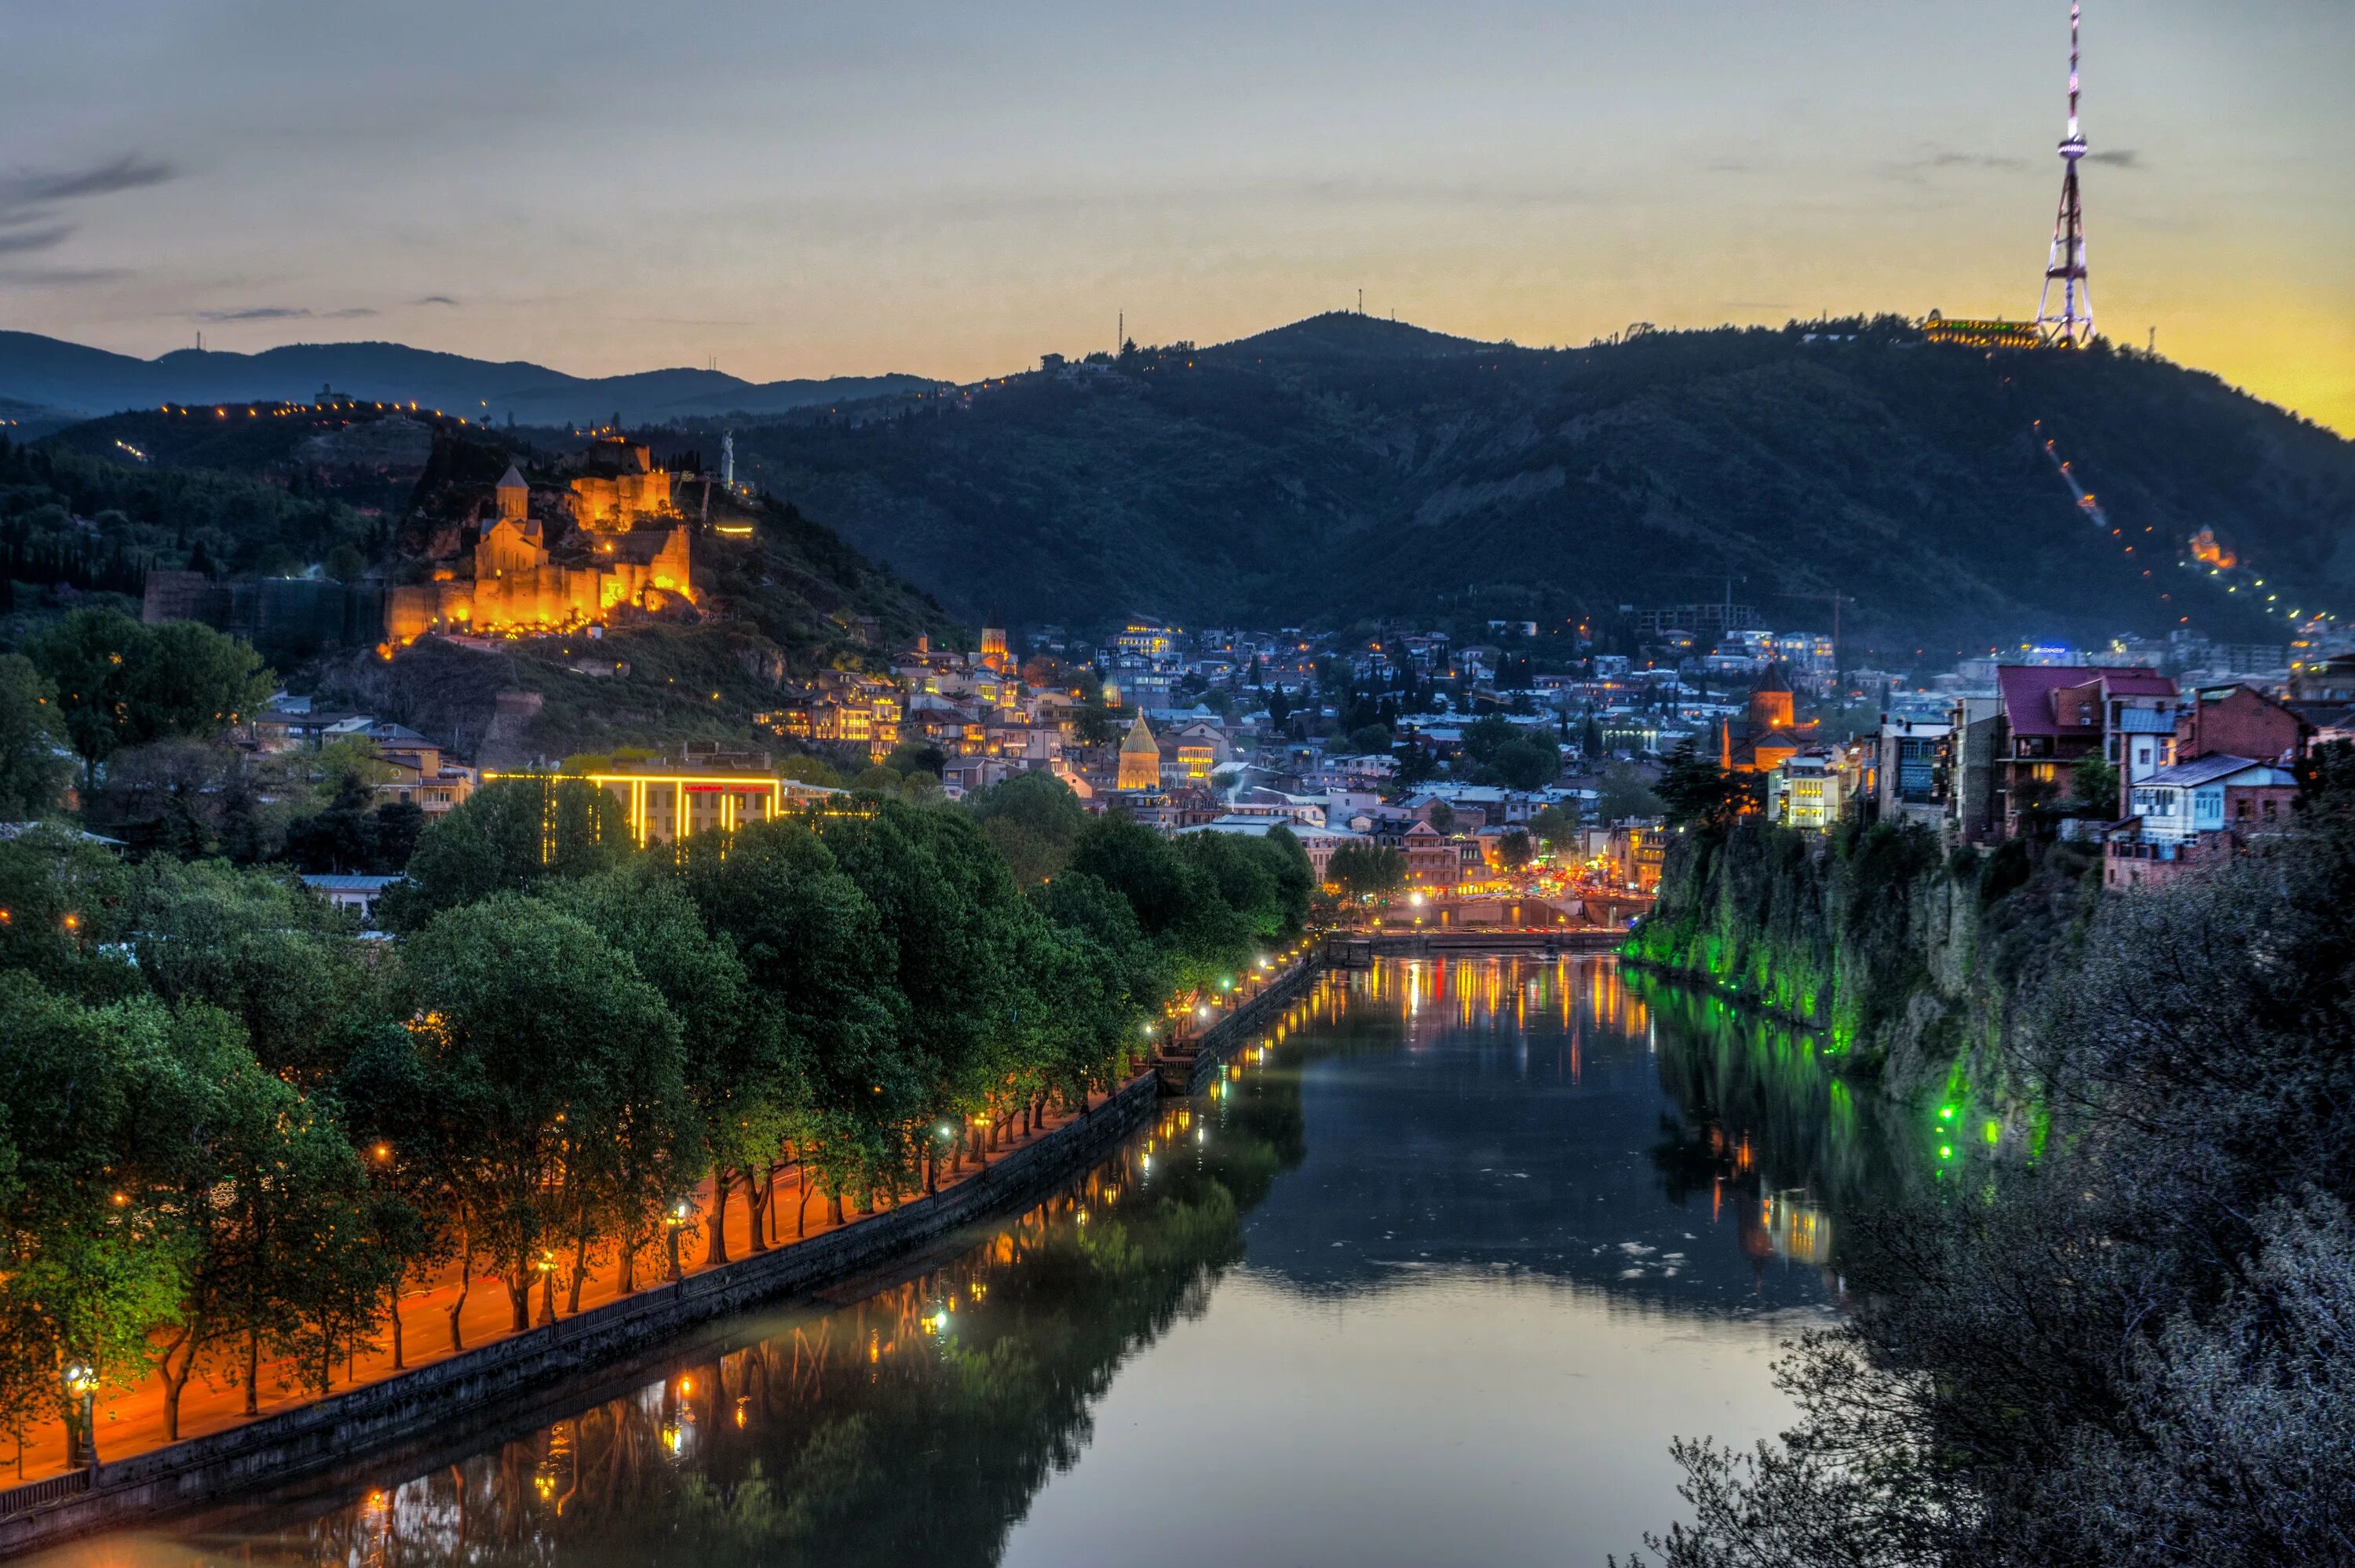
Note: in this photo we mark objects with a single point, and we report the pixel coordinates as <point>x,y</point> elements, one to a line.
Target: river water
<point>1434,1276</point>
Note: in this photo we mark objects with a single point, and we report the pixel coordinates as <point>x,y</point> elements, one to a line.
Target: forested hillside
<point>1347,467</point>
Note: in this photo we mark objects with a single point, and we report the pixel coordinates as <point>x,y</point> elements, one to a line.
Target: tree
<point>33,771</point>
<point>737,1066</point>
<point>94,1251</point>
<point>122,683</point>
<point>1032,818</point>
<point>1626,794</point>
<point>264,949</point>
<point>1525,763</point>
<point>1367,871</point>
<point>508,837</point>
<point>1693,790</point>
<point>1443,818</point>
<point>816,951</point>
<point>553,1041</point>
<point>2094,785</point>
<point>355,834</point>
<point>1555,827</point>
<point>1516,848</point>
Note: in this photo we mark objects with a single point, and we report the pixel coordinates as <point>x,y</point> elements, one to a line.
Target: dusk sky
<point>952,189</point>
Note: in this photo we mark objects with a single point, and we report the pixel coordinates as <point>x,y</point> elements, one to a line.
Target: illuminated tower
<point>2070,323</point>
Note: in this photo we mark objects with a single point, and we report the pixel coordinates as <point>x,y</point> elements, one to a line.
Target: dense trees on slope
<point>230,1131</point>
<point>1457,480</point>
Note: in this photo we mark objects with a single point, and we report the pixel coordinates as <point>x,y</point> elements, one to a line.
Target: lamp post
<point>546,1288</point>
<point>676,1218</point>
<point>81,1382</point>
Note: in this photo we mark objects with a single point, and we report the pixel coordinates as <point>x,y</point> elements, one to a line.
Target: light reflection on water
<point>1435,1277</point>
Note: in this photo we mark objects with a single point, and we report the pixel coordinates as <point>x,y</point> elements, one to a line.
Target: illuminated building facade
<point>622,488</point>
<point>663,804</point>
<point>1140,757</point>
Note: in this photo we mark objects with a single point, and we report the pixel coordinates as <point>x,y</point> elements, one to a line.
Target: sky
<point>795,189</point>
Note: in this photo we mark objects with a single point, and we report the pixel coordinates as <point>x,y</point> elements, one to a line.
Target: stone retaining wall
<point>320,1436</point>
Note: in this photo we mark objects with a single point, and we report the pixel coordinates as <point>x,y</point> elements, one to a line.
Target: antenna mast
<point>2072,324</point>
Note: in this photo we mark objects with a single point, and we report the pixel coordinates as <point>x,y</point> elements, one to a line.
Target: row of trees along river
<point>232,1129</point>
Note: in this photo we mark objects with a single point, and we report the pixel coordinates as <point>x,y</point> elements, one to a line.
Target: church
<point>1140,757</point>
<point>1771,733</point>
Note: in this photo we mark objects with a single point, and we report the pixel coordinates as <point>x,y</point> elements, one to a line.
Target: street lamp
<point>81,1382</point>
<point>676,1218</point>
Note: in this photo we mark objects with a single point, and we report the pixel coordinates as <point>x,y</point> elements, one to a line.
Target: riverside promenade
<point>223,1451</point>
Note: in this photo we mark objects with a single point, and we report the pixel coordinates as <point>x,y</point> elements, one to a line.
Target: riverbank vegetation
<point>2123,1339</point>
<point>231,1130</point>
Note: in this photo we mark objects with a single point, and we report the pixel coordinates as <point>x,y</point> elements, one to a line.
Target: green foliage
<point>2094,788</point>
<point>509,836</point>
<point>229,1131</point>
<point>1694,790</point>
<point>1555,827</point>
<point>121,684</point>
<point>548,1035</point>
<point>262,950</point>
<point>1526,764</point>
<point>32,735</point>
<point>1367,871</point>
<point>1033,819</point>
<point>160,514</point>
<point>1626,794</point>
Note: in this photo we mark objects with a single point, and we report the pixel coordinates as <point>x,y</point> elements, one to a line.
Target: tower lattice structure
<point>2070,323</point>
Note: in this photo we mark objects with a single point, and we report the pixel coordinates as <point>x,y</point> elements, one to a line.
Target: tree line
<point>231,1132</point>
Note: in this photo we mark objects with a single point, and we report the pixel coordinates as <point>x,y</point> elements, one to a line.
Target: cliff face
<point>1911,967</point>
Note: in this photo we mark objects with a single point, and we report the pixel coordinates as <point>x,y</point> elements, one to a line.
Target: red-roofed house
<point>2018,752</point>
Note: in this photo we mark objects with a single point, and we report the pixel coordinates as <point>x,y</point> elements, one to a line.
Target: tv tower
<point>2071,325</point>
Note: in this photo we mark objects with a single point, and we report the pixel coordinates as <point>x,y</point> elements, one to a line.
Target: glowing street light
<point>81,1382</point>
<point>672,1223</point>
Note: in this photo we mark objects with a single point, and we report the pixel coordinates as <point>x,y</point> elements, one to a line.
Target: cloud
<point>128,173</point>
<point>2118,158</point>
<point>284,313</point>
<point>1949,159</point>
<point>16,242</point>
<point>434,299</point>
<point>30,203</point>
<point>61,277</point>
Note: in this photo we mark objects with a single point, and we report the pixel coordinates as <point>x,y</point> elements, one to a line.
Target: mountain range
<point>1930,499</point>
<point>52,381</point>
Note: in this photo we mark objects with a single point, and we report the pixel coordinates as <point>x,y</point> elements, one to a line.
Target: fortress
<point>610,541</point>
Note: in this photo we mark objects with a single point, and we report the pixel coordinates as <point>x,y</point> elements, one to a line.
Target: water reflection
<point>1434,1270</point>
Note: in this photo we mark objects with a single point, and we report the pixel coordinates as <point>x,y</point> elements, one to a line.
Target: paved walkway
<point>133,1423</point>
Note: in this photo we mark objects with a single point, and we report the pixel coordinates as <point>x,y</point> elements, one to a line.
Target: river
<point>1434,1276</point>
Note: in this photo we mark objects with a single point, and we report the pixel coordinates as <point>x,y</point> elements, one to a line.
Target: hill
<point>1345,468</point>
<point>51,379</point>
<point>319,495</point>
